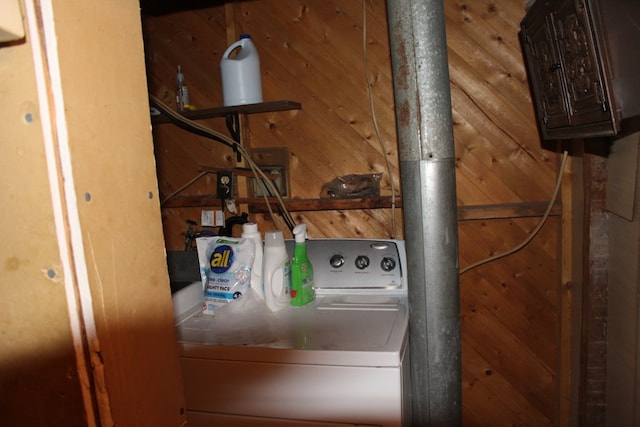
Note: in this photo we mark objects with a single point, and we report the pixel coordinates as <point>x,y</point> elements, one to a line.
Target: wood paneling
<point>311,51</point>
<point>509,320</point>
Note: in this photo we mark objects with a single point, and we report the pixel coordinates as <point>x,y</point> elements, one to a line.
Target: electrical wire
<point>375,120</point>
<point>535,230</point>
<point>386,157</point>
<point>181,189</point>
<point>268,186</point>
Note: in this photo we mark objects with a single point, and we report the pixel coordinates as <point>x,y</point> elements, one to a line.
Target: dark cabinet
<point>577,56</point>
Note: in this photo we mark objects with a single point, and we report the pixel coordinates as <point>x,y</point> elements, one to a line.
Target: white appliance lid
<point>345,330</point>
<point>359,317</point>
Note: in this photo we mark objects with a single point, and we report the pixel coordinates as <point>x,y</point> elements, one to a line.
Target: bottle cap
<point>273,239</point>
<point>249,228</point>
<point>180,76</point>
<point>300,232</point>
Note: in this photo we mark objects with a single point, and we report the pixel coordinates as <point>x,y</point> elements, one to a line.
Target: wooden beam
<point>565,330</point>
<point>507,210</point>
<point>593,352</point>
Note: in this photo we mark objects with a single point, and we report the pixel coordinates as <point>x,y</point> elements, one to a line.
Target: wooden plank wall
<point>311,52</point>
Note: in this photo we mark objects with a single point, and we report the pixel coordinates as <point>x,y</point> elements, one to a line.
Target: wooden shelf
<point>207,113</point>
<point>465,213</point>
<point>258,205</point>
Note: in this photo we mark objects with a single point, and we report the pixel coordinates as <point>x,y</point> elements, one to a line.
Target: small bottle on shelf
<point>182,92</point>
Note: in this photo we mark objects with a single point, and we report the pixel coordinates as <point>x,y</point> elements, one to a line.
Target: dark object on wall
<point>583,63</point>
<point>227,230</point>
<point>352,187</point>
<point>163,7</point>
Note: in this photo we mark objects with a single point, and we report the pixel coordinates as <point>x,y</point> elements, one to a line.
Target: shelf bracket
<point>233,125</point>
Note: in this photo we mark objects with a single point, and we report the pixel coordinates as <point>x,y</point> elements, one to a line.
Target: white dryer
<point>341,360</point>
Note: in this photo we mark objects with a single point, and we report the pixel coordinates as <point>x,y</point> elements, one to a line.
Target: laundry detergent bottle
<point>241,81</point>
<point>276,274</point>
<point>302,291</point>
<point>250,231</point>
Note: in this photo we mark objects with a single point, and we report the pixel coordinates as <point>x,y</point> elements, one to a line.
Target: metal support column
<point>427,166</point>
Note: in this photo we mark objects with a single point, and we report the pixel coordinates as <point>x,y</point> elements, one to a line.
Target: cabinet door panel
<point>545,73</point>
<point>585,82</point>
<point>568,50</point>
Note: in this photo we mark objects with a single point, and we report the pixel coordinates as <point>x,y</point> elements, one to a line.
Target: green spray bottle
<point>301,269</point>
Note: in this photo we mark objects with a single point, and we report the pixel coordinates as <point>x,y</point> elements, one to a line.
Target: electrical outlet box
<point>273,161</point>
<point>224,184</point>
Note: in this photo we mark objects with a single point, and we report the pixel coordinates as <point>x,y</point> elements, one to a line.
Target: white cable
<point>534,232</point>
<point>179,190</point>
<point>375,121</point>
<point>258,173</point>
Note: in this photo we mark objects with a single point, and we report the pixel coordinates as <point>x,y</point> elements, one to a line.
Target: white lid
<point>273,239</point>
<point>249,228</point>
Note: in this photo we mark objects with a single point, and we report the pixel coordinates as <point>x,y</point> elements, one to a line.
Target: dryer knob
<point>388,264</point>
<point>336,261</point>
<point>362,262</point>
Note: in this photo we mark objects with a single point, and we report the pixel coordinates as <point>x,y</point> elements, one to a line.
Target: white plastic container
<point>250,231</point>
<point>241,81</point>
<point>276,274</point>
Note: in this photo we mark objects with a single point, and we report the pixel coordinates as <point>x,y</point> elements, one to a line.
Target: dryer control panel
<point>357,264</point>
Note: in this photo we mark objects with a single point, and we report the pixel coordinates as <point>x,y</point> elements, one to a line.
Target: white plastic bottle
<point>241,80</point>
<point>250,231</point>
<point>276,274</point>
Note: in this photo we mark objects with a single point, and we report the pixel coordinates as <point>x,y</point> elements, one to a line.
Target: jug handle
<point>230,49</point>
<point>282,288</point>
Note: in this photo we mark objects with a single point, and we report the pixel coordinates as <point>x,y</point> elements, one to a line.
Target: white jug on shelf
<point>241,82</point>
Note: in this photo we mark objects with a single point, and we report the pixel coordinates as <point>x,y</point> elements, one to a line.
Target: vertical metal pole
<point>427,166</point>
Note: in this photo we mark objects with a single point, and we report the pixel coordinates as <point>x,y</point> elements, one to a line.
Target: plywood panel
<point>40,381</point>
<point>114,218</point>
